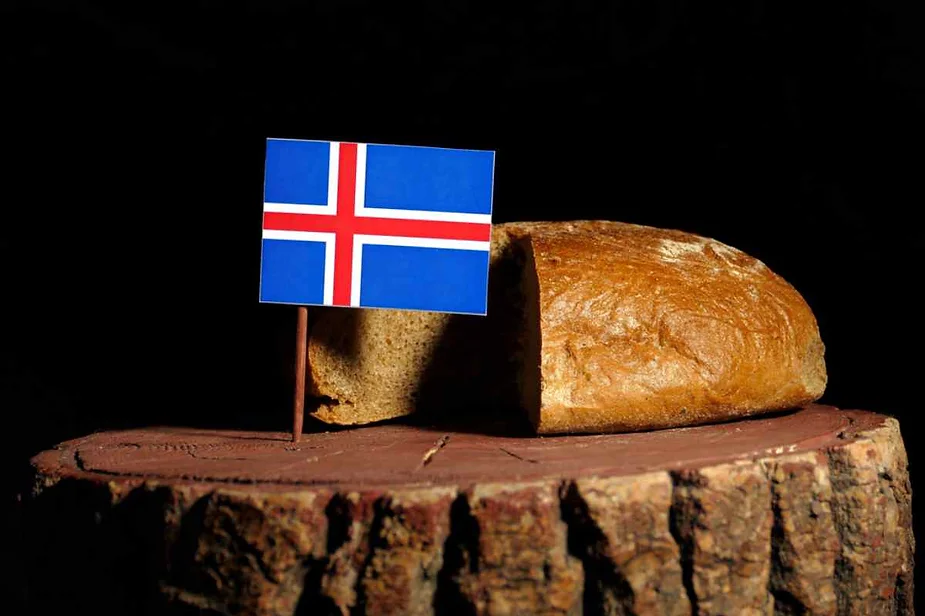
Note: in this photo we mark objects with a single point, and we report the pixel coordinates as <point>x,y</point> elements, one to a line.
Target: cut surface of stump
<point>805,512</point>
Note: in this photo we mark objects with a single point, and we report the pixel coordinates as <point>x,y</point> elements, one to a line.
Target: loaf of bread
<point>592,326</point>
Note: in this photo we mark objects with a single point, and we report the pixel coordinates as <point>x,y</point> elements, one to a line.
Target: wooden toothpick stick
<point>301,356</point>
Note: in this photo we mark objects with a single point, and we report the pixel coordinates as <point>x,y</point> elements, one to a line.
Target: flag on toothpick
<point>376,226</point>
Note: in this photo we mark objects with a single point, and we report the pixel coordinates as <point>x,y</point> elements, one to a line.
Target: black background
<point>134,135</point>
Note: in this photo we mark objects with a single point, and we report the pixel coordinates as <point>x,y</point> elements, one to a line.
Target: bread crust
<point>650,328</point>
<point>638,328</point>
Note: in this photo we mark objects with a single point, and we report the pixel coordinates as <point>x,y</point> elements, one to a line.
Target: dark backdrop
<point>133,136</point>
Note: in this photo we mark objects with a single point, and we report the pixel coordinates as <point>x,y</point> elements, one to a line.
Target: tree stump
<point>800,513</point>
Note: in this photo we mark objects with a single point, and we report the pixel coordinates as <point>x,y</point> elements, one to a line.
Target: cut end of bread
<point>369,365</point>
<point>815,376</point>
<point>347,413</point>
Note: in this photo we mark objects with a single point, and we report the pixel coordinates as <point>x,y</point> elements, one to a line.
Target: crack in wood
<point>679,526</point>
<point>519,457</point>
<point>428,456</point>
<point>79,461</point>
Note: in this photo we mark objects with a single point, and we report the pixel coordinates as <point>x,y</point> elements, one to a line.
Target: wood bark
<point>801,513</point>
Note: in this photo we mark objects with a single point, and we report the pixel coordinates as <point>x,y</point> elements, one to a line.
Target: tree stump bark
<point>799,513</point>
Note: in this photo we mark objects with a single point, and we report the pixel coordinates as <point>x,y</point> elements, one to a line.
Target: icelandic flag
<point>376,226</point>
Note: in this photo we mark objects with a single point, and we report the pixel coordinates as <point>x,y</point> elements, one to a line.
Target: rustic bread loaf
<point>593,326</point>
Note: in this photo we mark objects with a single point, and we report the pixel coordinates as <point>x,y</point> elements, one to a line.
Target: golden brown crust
<point>648,328</point>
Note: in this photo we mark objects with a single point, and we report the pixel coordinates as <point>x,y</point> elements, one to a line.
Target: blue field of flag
<point>292,272</point>
<point>429,179</point>
<point>414,278</point>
